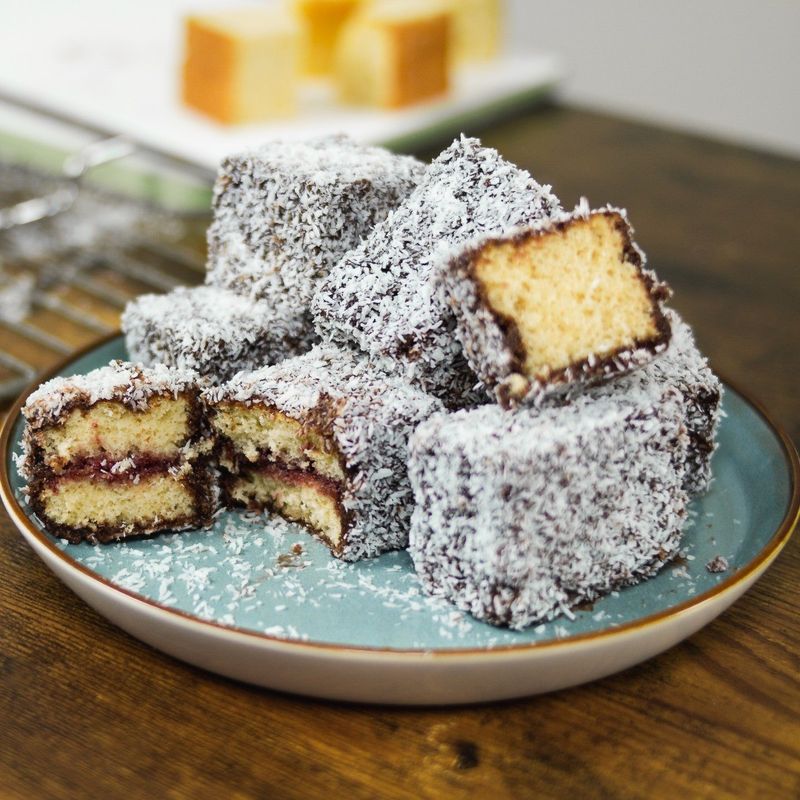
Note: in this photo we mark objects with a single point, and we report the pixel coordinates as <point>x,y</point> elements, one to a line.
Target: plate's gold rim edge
<point>765,557</point>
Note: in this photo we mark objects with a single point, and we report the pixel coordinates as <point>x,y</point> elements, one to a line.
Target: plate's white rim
<point>44,546</point>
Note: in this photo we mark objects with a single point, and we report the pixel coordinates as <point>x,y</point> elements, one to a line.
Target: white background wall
<point>729,68</point>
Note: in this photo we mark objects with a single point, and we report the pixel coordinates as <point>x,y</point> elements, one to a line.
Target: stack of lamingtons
<point>436,358</point>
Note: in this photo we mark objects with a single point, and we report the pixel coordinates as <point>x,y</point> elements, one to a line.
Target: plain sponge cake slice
<point>242,65</point>
<point>559,303</point>
<point>395,53</point>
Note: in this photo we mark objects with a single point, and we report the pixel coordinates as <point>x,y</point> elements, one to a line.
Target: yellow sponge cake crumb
<point>569,293</point>
<point>94,504</point>
<point>562,302</point>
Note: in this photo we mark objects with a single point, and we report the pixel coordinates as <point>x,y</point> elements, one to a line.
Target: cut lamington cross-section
<point>118,452</point>
<point>322,440</point>
<point>562,302</point>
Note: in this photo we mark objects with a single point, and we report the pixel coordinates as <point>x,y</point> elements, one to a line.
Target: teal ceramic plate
<point>261,600</point>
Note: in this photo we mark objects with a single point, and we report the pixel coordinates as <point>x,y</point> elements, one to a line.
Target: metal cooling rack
<point>65,279</point>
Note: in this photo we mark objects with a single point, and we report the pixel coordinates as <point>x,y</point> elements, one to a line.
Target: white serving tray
<point>115,68</point>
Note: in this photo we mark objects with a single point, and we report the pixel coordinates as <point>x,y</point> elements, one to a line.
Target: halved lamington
<point>118,452</point>
<point>522,515</point>
<point>561,302</point>
<point>381,295</point>
<point>322,440</point>
<point>214,332</point>
<point>286,212</point>
<point>683,369</point>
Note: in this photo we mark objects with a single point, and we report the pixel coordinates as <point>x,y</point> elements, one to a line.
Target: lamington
<point>561,302</point>
<point>522,515</point>
<point>213,332</point>
<point>381,296</point>
<point>116,453</point>
<point>684,369</point>
<point>322,440</point>
<point>286,212</point>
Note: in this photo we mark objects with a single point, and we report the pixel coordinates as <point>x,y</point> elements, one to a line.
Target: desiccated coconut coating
<point>561,302</point>
<point>682,367</point>
<point>686,368</point>
<point>285,213</point>
<point>214,332</point>
<point>381,296</point>
<point>368,416</point>
<point>522,515</point>
<point>133,385</point>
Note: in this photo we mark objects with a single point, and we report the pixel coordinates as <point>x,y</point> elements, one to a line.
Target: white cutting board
<point>114,65</point>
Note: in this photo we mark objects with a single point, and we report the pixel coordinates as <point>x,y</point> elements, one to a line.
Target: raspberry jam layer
<point>127,469</point>
<point>299,477</point>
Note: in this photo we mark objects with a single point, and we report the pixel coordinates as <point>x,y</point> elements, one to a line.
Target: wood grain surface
<point>87,711</point>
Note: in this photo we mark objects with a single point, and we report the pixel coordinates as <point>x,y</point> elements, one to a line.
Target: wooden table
<point>87,711</point>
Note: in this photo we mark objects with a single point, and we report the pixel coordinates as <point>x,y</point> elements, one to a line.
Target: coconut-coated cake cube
<point>117,452</point>
<point>214,332</point>
<point>286,212</point>
<point>381,295</point>
<point>522,515</point>
<point>561,302</point>
<point>686,368</point>
<point>682,368</point>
